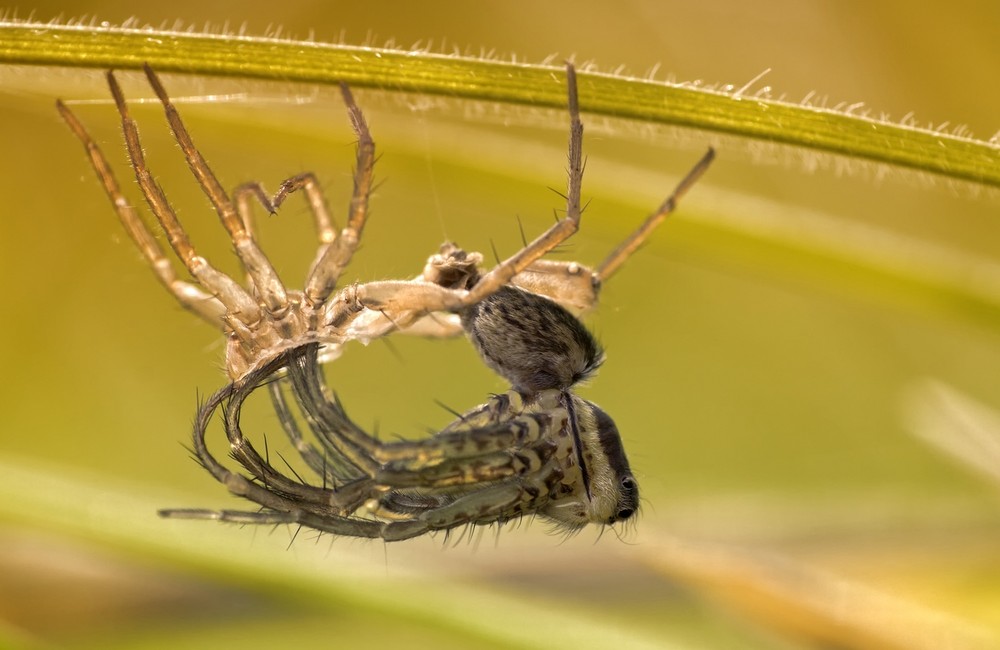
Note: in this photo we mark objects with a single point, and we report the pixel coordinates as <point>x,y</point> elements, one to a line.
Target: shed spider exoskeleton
<point>537,449</point>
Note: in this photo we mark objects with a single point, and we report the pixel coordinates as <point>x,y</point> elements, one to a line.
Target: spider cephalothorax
<point>537,449</point>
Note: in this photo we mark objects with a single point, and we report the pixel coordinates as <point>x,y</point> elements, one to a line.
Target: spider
<point>537,449</point>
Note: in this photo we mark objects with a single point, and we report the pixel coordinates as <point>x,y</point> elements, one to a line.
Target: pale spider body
<point>537,449</point>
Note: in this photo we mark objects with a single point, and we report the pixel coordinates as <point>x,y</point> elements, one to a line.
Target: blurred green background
<point>768,351</point>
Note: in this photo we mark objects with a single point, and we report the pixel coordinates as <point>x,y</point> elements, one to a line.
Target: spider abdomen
<point>532,341</point>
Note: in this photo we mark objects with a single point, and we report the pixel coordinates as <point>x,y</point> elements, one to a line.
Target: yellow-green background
<point>758,385</point>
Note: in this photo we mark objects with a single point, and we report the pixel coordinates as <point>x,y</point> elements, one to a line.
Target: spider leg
<point>306,182</point>
<point>516,482</point>
<point>344,498</point>
<point>269,287</point>
<point>618,256</point>
<point>342,438</point>
<point>562,229</point>
<point>516,433</point>
<point>499,408</point>
<point>272,490</point>
<point>332,467</point>
<point>334,256</point>
<point>339,435</point>
<point>472,454</point>
<point>346,526</point>
<point>399,505</point>
<point>187,294</point>
<point>296,504</point>
<point>238,303</point>
<point>416,299</point>
<point>498,502</point>
<point>466,470</point>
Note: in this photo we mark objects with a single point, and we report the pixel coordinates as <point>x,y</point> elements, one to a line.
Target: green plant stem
<point>823,130</point>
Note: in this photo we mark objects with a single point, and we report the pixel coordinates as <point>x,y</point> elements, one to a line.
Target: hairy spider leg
<point>497,502</point>
<point>562,229</point>
<point>325,462</point>
<point>338,434</point>
<point>291,502</point>
<point>189,295</point>
<point>480,468</point>
<point>305,182</point>
<point>462,471</point>
<point>345,498</point>
<point>494,504</point>
<point>260,319</point>
<point>405,302</point>
<point>241,308</point>
<point>500,448</point>
<point>267,487</point>
<point>269,288</point>
<point>571,284</point>
<point>576,287</point>
<point>334,257</point>
<point>622,252</point>
<point>334,252</point>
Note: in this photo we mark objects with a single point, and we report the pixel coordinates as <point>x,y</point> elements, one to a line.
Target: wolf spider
<point>537,449</point>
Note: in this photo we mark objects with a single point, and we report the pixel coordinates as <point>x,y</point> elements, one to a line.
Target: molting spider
<point>537,449</point>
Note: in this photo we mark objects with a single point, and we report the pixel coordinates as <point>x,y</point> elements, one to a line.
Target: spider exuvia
<point>538,449</point>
